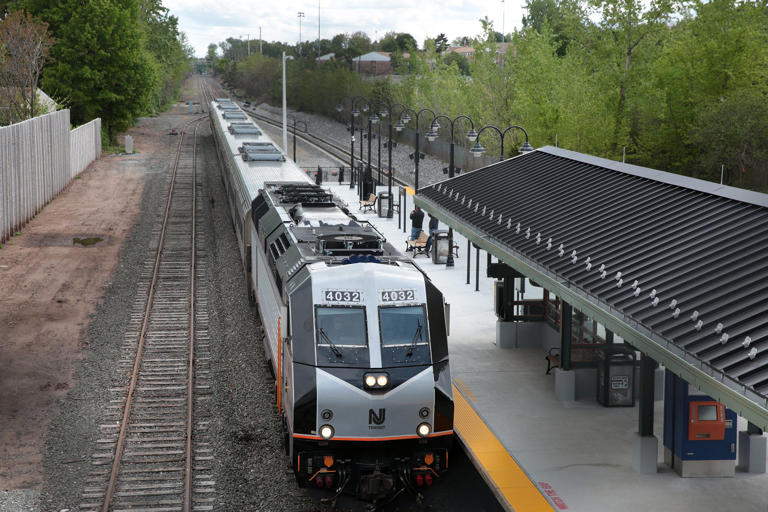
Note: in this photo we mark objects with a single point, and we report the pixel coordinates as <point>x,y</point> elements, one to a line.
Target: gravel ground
<point>430,168</point>
<point>20,500</point>
<point>73,434</point>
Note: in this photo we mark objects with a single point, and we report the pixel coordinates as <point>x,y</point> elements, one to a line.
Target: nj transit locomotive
<point>355,332</point>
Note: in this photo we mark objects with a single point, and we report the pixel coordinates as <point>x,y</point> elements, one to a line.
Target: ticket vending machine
<point>699,432</point>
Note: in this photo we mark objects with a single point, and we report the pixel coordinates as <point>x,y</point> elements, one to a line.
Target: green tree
<point>441,43</point>
<point>628,23</point>
<point>460,60</point>
<point>167,52</point>
<point>405,42</point>
<point>100,66</point>
<point>566,19</point>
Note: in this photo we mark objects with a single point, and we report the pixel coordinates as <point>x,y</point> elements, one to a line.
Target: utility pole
<point>261,51</point>
<point>249,45</point>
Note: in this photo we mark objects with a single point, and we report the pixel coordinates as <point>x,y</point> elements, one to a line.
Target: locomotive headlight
<point>376,380</point>
<point>423,429</point>
<point>326,432</point>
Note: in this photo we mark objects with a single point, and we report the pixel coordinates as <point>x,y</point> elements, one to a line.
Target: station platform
<point>536,452</point>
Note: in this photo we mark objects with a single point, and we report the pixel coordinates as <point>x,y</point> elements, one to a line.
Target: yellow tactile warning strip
<point>507,480</point>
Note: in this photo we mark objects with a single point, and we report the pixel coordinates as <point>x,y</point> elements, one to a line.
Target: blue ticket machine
<point>699,432</point>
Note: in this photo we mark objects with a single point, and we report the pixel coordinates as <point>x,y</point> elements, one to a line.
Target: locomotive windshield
<point>404,335</point>
<point>341,327</point>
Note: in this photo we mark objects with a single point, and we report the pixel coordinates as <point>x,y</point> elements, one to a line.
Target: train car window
<point>402,326</point>
<point>284,240</point>
<point>339,327</point>
<point>275,252</point>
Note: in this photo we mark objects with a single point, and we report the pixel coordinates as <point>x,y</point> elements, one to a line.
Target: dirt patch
<point>52,276</point>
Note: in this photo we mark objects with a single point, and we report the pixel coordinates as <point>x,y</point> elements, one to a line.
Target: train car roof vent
<point>244,129</point>
<point>234,115</point>
<point>228,106</point>
<point>223,100</point>
<point>260,152</point>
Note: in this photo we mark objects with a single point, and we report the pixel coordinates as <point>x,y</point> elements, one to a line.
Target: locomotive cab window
<point>341,327</point>
<point>404,334</point>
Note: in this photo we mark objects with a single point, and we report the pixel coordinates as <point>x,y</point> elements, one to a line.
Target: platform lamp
<point>478,150</point>
<point>416,155</point>
<point>372,119</point>
<point>471,137</point>
<point>387,110</point>
<point>355,112</point>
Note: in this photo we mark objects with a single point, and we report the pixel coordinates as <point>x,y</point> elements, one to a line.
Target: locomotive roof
<point>322,226</point>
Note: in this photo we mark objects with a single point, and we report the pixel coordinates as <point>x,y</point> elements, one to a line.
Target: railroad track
<point>154,453</point>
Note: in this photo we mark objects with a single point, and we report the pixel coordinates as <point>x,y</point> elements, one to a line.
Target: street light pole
<point>471,136</point>
<point>372,119</point>
<point>503,36</point>
<point>300,15</point>
<point>354,112</point>
<point>390,145</point>
<point>318,29</point>
<point>417,153</point>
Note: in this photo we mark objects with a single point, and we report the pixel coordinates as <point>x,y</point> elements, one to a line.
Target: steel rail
<point>112,484</point>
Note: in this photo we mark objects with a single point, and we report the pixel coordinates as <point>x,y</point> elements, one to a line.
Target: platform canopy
<point>676,266</point>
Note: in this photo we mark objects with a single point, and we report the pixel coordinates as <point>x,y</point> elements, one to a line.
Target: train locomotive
<point>355,332</point>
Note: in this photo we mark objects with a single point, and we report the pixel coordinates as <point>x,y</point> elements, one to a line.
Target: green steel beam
<point>733,395</point>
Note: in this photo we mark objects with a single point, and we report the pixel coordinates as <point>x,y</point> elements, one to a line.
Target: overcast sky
<point>207,22</point>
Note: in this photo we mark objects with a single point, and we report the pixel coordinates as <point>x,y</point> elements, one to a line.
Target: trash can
<point>384,203</point>
<point>440,246</point>
<point>616,376</point>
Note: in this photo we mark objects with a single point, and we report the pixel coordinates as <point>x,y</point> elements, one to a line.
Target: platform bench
<point>553,359</point>
<point>418,246</point>
<point>369,204</point>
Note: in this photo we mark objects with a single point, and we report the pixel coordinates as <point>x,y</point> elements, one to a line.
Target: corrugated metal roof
<point>684,258</point>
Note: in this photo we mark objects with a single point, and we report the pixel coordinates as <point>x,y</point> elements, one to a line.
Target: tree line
<point>669,84</point>
<point>114,59</point>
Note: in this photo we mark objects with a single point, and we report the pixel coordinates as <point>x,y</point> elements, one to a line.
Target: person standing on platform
<point>434,224</point>
<point>417,220</point>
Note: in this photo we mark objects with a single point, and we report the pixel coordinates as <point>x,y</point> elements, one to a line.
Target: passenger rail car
<point>355,332</point>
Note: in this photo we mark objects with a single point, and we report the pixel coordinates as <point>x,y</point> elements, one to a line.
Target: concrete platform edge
<point>484,473</point>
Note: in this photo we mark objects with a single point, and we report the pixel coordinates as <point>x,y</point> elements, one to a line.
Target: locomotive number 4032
<point>341,296</point>
<point>398,295</point>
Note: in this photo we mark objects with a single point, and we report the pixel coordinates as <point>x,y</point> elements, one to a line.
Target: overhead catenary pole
<point>249,45</point>
<point>261,51</point>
